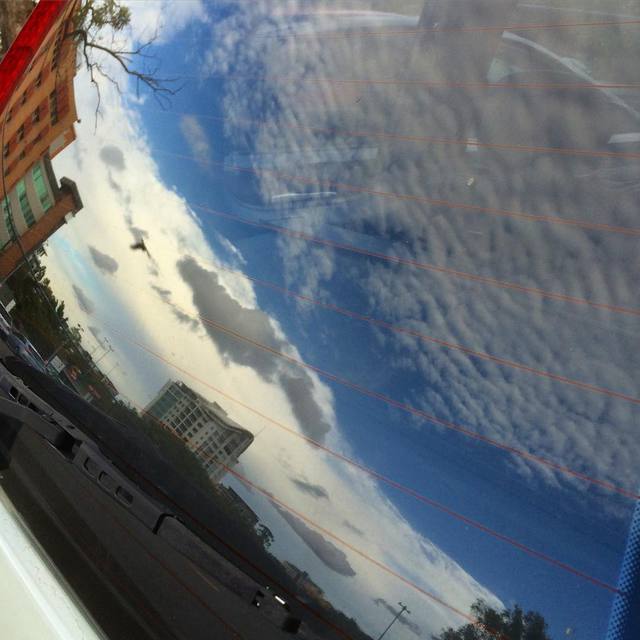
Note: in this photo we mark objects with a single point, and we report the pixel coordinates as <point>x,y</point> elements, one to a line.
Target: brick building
<point>37,124</point>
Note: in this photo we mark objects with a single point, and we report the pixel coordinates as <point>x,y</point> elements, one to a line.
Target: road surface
<point>132,581</point>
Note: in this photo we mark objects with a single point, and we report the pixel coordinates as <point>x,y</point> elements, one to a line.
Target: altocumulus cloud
<point>113,157</point>
<point>325,550</point>
<point>196,138</point>
<point>216,306</point>
<point>311,489</point>
<point>103,261</point>
<point>361,500</point>
<point>84,302</point>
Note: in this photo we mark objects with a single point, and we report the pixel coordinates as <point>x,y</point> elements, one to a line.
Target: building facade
<point>204,426</point>
<point>35,208</point>
<point>306,584</point>
<point>39,118</point>
<point>242,510</point>
<point>37,123</point>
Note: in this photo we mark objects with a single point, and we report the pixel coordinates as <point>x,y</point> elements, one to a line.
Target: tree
<point>97,29</point>
<point>508,624</point>
<point>75,333</point>
<point>265,535</point>
<point>12,16</point>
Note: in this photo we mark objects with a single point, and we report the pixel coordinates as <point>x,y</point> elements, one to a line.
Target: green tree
<point>98,29</point>
<point>75,333</point>
<point>265,535</point>
<point>508,624</point>
<point>37,311</point>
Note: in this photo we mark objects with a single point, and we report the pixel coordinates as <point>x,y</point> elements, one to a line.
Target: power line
<point>384,135</point>
<point>425,266</point>
<point>434,504</point>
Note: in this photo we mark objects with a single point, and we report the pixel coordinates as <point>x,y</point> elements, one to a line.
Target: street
<point>134,580</point>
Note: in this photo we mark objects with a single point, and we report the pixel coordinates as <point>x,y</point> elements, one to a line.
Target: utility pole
<point>98,346</point>
<point>106,375</point>
<point>403,608</point>
<point>108,350</point>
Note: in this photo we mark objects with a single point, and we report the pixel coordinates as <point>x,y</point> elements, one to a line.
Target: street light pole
<point>403,608</point>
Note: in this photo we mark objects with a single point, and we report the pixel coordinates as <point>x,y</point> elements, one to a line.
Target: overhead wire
<point>420,199</point>
<point>207,457</point>
<point>364,33</point>
<point>385,135</point>
<point>399,486</point>
<point>430,339</point>
<point>367,557</point>
<point>449,425</point>
<point>132,472</point>
<point>432,84</point>
<point>106,510</point>
<point>425,266</point>
<point>419,335</point>
<point>387,569</point>
<point>395,484</point>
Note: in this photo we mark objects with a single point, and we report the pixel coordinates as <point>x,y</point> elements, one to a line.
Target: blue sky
<point>566,519</point>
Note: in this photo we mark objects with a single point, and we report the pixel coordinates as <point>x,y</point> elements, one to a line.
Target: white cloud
<point>125,300</point>
<point>197,139</point>
<point>585,431</point>
<point>164,17</point>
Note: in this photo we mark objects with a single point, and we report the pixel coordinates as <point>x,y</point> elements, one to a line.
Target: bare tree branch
<point>90,22</point>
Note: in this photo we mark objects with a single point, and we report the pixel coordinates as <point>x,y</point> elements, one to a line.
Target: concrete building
<point>38,122</point>
<point>34,209</point>
<point>306,584</point>
<point>244,512</point>
<point>205,427</point>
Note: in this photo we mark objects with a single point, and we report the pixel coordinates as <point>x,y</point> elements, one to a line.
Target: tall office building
<point>204,426</point>
<point>38,122</point>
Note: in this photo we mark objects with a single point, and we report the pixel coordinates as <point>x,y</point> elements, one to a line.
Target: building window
<point>55,55</point>
<point>21,132</point>
<point>41,188</point>
<point>35,116</point>
<point>25,207</point>
<point>53,107</point>
<point>6,210</point>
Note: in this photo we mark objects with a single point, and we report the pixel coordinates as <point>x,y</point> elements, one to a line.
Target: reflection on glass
<point>355,309</point>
